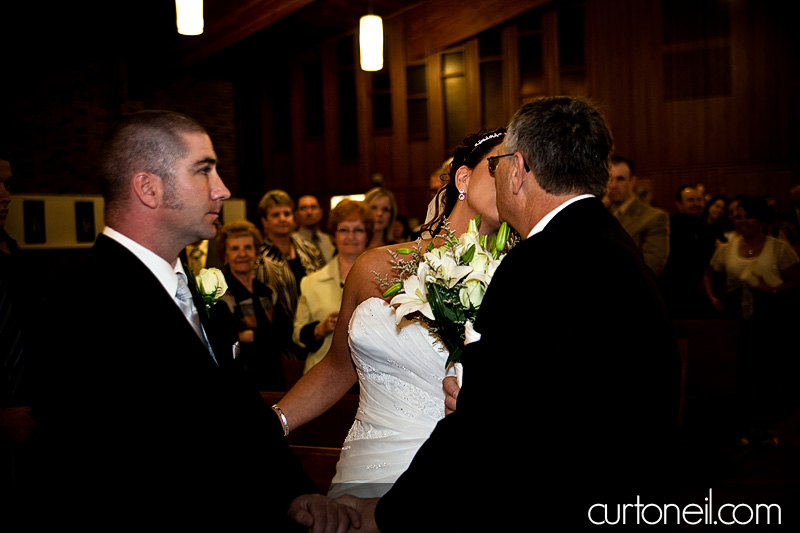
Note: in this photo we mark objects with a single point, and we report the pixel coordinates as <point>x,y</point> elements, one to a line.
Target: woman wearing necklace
<point>760,275</point>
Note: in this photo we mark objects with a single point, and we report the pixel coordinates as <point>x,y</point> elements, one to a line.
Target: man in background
<point>309,215</point>
<point>648,226</point>
<point>690,250</point>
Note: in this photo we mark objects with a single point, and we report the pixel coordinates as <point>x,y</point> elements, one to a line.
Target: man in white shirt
<point>169,430</point>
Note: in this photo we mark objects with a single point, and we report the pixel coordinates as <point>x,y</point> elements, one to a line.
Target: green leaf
<point>468,255</point>
<point>449,319</point>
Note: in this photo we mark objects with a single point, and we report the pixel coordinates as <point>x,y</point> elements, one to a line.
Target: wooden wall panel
<point>751,125</point>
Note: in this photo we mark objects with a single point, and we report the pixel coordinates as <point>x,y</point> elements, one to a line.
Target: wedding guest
<point>615,417</point>
<point>17,424</point>
<point>401,231</point>
<point>285,257</point>
<point>399,367</point>
<point>715,215</point>
<point>309,216</point>
<point>648,226</point>
<point>384,209</point>
<point>791,218</point>
<point>730,224</point>
<point>690,249</point>
<point>148,421</point>
<point>261,321</point>
<point>754,279</point>
<point>350,223</point>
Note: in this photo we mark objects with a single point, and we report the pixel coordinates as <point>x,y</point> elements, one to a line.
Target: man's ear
<point>519,175</point>
<point>148,188</point>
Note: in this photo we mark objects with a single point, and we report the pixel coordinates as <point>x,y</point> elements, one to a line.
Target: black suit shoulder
<point>139,402</point>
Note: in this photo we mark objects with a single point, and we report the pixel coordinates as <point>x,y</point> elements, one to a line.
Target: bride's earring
<point>461,194</point>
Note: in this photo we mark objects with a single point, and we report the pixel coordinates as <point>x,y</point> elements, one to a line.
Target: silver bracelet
<point>282,416</point>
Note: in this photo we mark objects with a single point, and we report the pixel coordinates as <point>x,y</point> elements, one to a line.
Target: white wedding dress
<point>400,371</point>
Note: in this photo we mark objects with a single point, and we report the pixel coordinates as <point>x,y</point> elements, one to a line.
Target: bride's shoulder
<point>371,266</point>
<point>379,259</point>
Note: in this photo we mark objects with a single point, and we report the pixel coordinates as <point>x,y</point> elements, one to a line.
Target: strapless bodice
<point>400,370</point>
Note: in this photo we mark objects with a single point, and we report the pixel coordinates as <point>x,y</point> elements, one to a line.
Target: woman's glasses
<point>358,232</point>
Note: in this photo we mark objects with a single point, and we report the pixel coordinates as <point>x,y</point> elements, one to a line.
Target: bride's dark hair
<point>470,152</point>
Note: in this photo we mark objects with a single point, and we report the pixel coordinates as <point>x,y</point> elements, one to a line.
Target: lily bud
<point>394,289</point>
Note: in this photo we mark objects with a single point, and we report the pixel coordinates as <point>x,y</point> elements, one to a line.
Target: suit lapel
<point>217,326</point>
<point>111,252</point>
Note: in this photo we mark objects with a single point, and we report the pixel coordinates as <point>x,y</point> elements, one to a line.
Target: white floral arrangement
<point>443,287</point>
<point>211,285</point>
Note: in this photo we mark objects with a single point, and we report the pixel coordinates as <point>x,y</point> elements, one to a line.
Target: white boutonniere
<point>211,285</point>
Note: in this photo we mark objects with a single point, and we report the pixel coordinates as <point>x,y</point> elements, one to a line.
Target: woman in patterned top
<point>285,257</point>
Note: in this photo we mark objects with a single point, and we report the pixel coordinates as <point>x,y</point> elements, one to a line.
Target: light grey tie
<point>184,297</point>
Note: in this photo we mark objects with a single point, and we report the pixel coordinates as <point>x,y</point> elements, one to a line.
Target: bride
<point>399,367</point>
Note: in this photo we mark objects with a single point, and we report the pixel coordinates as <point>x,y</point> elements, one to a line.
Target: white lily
<point>446,269</point>
<point>414,296</point>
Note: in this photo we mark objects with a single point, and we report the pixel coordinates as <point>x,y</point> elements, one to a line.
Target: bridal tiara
<point>492,136</point>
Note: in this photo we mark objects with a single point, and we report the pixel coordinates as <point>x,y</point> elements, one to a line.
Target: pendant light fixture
<point>189,16</point>
<point>370,40</point>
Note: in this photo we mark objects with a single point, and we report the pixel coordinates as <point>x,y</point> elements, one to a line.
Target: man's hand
<point>451,388</point>
<point>323,515</point>
<point>366,509</point>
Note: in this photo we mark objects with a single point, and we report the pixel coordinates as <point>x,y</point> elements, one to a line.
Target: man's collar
<point>626,204</point>
<point>549,216</point>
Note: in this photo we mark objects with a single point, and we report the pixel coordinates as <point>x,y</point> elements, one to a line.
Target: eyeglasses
<point>358,232</point>
<point>492,162</point>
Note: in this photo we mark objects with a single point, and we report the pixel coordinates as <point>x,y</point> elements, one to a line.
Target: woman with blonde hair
<point>384,210</point>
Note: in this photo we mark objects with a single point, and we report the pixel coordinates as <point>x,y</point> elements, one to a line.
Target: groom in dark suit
<point>145,418</point>
<point>554,424</point>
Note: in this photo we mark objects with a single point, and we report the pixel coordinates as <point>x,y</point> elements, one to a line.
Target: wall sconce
<point>189,16</point>
<point>370,40</point>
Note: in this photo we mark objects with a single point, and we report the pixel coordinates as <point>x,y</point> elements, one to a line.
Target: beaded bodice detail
<point>400,370</point>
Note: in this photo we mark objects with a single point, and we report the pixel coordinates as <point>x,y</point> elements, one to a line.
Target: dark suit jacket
<point>142,424</point>
<point>569,398</point>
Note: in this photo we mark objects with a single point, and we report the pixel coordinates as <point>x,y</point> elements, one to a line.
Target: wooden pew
<point>709,369</point>
<point>319,462</point>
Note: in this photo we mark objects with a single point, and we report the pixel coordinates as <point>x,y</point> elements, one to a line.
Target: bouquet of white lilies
<point>444,287</point>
